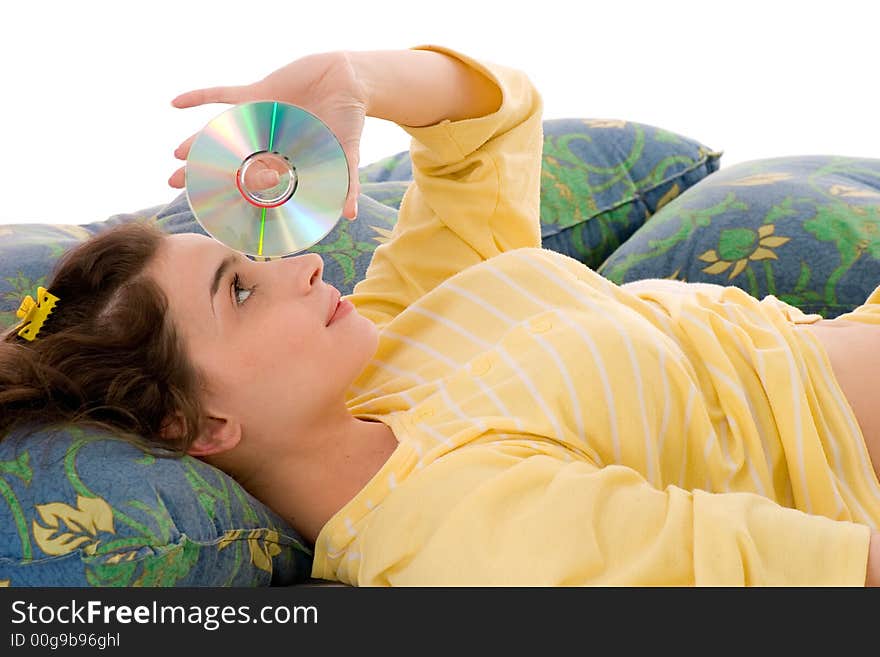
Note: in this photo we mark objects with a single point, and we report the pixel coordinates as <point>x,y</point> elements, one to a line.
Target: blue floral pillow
<point>84,508</point>
<point>805,229</point>
<point>87,508</point>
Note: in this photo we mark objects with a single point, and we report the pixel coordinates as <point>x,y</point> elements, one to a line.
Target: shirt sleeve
<point>486,516</point>
<point>475,193</point>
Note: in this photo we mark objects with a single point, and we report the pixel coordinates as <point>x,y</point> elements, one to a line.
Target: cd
<point>267,178</point>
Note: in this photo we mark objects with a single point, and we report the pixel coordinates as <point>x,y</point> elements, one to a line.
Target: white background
<point>87,129</point>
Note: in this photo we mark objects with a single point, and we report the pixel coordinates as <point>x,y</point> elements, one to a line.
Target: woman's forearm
<point>421,87</point>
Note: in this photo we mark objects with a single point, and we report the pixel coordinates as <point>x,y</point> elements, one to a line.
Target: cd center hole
<point>266,179</point>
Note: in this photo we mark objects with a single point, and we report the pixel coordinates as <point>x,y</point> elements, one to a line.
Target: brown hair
<point>108,355</point>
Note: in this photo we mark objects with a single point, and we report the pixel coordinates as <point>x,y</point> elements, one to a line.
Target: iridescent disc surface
<point>287,217</point>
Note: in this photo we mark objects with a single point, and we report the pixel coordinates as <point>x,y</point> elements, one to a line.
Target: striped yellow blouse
<point>557,429</point>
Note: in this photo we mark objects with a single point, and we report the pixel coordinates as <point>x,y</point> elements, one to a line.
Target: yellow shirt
<point>557,429</point>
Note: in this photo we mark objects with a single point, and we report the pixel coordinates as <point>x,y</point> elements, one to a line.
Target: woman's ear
<point>218,435</point>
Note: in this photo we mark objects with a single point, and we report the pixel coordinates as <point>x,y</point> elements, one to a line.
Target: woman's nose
<point>316,265</point>
<point>307,270</point>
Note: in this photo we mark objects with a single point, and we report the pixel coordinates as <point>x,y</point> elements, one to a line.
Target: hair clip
<point>34,313</point>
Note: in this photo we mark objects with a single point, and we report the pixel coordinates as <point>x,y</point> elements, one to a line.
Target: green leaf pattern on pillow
<point>70,509</point>
<point>805,229</point>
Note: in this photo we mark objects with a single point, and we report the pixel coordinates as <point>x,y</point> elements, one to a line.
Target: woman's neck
<point>308,494</point>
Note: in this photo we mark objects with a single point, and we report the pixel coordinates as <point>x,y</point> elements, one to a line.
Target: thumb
<point>352,156</point>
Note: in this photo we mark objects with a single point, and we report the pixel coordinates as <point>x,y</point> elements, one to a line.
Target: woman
<point>479,410</point>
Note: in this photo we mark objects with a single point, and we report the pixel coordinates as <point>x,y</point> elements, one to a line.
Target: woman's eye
<point>241,294</point>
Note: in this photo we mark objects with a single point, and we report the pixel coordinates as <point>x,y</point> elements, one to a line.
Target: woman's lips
<point>342,309</point>
<point>334,305</point>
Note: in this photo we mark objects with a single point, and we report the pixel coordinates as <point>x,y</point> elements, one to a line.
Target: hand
<point>324,84</point>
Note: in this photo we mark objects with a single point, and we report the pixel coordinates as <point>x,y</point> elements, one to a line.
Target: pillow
<point>87,508</point>
<point>600,180</point>
<point>805,229</point>
<point>84,508</point>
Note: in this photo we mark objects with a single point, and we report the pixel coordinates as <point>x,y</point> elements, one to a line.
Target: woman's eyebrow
<point>228,261</point>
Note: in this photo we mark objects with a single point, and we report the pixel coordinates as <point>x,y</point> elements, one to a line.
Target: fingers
<point>231,95</point>
<point>255,180</point>
<point>266,179</point>
<point>182,151</point>
<point>350,209</point>
<point>259,176</point>
<point>178,178</point>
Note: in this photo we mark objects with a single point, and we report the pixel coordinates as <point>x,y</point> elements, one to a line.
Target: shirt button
<point>424,414</point>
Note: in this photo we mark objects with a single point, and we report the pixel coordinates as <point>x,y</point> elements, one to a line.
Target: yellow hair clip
<point>34,313</point>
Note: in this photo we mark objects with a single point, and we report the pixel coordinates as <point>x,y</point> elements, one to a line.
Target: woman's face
<point>259,332</point>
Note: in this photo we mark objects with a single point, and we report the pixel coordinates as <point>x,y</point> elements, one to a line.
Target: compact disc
<point>267,178</point>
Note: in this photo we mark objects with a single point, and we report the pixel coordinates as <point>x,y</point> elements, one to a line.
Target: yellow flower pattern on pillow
<point>84,508</point>
<point>262,543</point>
<point>739,245</point>
<point>67,528</point>
<point>805,229</point>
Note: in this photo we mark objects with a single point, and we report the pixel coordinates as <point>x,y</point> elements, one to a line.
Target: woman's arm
<point>410,87</point>
<point>487,516</point>
<point>421,87</point>
<point>476,179</point>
